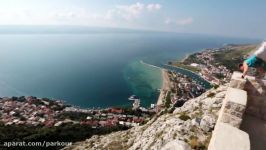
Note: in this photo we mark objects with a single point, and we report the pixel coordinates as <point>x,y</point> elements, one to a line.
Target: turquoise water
<point>93,70</point>
<point>143,80</point>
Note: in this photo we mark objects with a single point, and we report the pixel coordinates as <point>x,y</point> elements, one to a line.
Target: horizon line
<point>109,28</point>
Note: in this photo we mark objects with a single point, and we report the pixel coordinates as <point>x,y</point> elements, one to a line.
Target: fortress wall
<point>243,96</point>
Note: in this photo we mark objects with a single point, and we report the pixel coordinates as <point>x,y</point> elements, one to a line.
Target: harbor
<point>179,85</point>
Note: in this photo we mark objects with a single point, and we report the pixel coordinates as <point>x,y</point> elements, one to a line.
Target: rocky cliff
<point>188,127</point>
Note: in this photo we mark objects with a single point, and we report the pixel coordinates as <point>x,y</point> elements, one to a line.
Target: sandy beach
<point>165,87</point>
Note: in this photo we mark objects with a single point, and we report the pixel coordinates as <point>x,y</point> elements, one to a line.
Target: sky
<point>236,18</point>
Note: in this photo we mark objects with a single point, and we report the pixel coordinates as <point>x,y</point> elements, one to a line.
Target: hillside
<point>229,56</point>
<point>216,64</point>
<point>188,127</point>
<point>191,126</point>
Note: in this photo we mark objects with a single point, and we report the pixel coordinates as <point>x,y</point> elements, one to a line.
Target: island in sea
<point>42,119</point>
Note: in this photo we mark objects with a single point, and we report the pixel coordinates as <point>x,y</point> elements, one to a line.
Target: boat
<point>133,97</point>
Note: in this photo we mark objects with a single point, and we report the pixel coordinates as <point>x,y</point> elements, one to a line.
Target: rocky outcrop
<point>188,127</point>
<point>177,145</point>
<point>212,121</point>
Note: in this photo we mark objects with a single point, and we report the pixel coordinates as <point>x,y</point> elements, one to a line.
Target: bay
<point>94,70</point>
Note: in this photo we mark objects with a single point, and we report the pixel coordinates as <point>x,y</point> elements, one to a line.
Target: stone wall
<point>238,101</point>
<point>226,137</point>
<point>256,93</point>
<point>233,108</point>
<point>256,90</point>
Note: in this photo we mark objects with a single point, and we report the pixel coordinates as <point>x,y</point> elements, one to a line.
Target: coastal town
<point>215,65</point>
<point>33,111</point>
<point>210,71</point>
<point>183,87</point>
<point>42,118</point>
<point>177,89</point>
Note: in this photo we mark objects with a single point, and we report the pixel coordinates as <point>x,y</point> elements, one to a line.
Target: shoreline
<point>164,88</point>
<point>166,81</point>
<point>189,71</point>
<point>142,62</point>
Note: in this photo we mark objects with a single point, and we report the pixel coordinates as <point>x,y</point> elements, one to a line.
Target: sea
<point>95,70</point>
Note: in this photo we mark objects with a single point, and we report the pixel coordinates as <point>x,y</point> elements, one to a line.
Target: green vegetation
<point>234,56</point>
<point>137,112</point>
<point>185,66</point>
<point>174,135</point>
<point>115,145</point>
<point>78,116</point>
<point>183,116</point>
<point>192,59</point>
<point>215,86</point>
<point>65,133</point>
<point>208,139</point>
<point>230,57</point>
<point>168,100</point>
<point>211,94</point>
<point>219,75</point>
<point>195,144</point>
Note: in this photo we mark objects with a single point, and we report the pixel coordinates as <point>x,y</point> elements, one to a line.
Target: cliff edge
<point>231,117</point>
<point>188,127</point>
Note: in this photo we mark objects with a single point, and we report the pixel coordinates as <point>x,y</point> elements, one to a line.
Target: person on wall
<point>257,60</point>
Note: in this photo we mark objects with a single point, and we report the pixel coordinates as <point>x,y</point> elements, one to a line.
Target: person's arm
<point>245,69</point>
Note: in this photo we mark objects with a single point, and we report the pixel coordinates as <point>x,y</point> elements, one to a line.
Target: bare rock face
<point>188,127</point>
<point>207,123</point>
<point>176,145</point>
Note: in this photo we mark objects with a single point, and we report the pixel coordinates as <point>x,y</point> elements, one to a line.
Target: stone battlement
<point>233,107</point>
<point>244,97</point>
